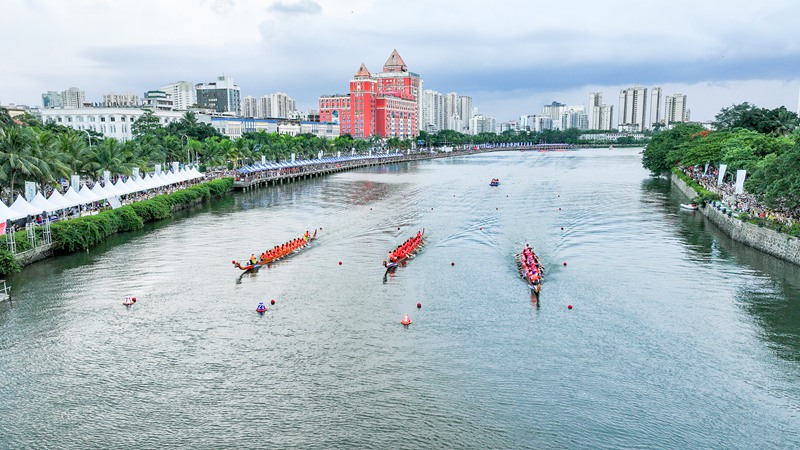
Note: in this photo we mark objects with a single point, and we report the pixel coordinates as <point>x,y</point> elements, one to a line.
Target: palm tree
<point>52,163</point>
<point>16,155</point>
<point>74,150</point>
<point>108,156</point>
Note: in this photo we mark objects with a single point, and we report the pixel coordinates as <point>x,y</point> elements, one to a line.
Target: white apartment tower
<point>676,108</point>
<point>433,111</point>
<point>632,108</point>
<point>655,107</point>
<point>182,94</point>
<point>73,98</point>
<point>465,110</point>
<point>451,112</point>
<point>249,107</point>
<point>555,111</point>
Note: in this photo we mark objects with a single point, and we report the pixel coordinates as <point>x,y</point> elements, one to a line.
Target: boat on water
<point>129,300</point>
<point>689,206</point>
<point>278,252</point>
<point>494,182</point>
<point>261,308</point>
<point>405,320</point>
<point>531,270</point>
<point>404,251</point>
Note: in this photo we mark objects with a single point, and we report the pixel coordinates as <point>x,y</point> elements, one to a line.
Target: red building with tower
<point>384,104</point>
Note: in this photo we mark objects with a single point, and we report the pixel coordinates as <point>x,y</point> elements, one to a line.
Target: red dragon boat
<point>531,270</point>
<point>404,251</point>
<point>278,252</point>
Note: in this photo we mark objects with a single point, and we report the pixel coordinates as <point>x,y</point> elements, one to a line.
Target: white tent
<point>100,192</point>
<point>121,188</point>
<point>165,180</point>
<point>132,186</point>
<point>59,199</point>
<point>42,204</point>
<point>89,195</point>
<point>22,206</point>
<point>73,196</point>
<point>111,189</point>
<point>143,186</point>
<point>7,213</point>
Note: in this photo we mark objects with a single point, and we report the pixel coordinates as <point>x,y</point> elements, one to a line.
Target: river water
<point>678,337</point>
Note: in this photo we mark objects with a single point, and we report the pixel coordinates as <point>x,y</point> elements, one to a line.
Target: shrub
<point>8,264</point>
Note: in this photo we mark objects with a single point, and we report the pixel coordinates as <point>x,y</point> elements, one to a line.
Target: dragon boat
<point>278,252</point>
<point>405,251</point>
<point>531,270</point>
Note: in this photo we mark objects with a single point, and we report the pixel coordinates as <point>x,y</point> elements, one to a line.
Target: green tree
<point>662,148</point>
<point>17,158</point>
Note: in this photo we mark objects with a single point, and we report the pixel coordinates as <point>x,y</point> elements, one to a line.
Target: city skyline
<point>717,57</point>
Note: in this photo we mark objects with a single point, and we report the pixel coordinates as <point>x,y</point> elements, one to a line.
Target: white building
<point>249,107</point>
<point>52,99</point>
<point>451,115</point>
<point>555,111</point>
<point>465,110</point>
<point>157,100</point>
<point>124,100</point>
<point>73,98</point>
<point>632,108</point>
<point>235,127</point>
<point>433,111</point>
<point>575,117</point>
<point>182,94</point>
<point>111,122</point>
<point>676,108</point>
<point>541,122</point>
<point>655,107</point>
<point>482,124</point>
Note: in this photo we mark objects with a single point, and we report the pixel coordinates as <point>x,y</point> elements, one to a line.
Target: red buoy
<point>233,262</point>
<point>481,228</point>
<point>272,302</point>
<point>562,228</point>
<point>565,263</point>
<point>419,305</point>
<point>569,306</point>
<point>398,228</point>
<point>452,264</point>
<point>340,263</point>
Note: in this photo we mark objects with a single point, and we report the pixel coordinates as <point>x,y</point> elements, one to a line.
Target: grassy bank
<point>81,233</point>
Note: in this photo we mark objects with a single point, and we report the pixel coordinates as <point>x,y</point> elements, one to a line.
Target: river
<point>678,337</point>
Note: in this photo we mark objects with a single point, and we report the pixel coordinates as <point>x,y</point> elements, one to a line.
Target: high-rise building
<point>632,108</point>
<point>433,111</point>
<point>52,99</point>
<point>676,108</point>
<point>278,105</point>
<point>465,110</point>
<point>575,117</point>
<point>249,107</point>
<point>655,107</point>
<point>222,96</point>
<point>595,102</point>
<point>451,112</point>
<point>73,98</point>
<point>120,100</point>
<point>555,110</point>
<point>385,103</point>
<point>182,93</point>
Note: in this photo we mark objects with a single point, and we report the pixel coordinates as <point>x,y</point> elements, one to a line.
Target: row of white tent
<point>22,208</point>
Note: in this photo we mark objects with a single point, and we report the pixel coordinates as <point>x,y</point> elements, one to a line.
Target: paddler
<point>253,259</point>
<point>306,236</point>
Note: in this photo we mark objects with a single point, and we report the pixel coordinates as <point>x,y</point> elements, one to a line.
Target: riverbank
<point>766,240</point>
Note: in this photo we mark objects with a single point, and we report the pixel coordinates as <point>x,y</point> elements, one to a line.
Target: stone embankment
<point>766,240</point>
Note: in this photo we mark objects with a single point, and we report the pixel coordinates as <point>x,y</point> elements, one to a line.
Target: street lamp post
<point>90,138</point>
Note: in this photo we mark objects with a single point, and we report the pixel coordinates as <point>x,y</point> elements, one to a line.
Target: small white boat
<point>689,206</point>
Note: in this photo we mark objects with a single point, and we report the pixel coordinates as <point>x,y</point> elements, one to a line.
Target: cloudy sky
<point>511,56</point>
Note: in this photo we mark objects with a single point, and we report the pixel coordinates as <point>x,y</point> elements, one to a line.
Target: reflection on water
<point>679,337</point>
